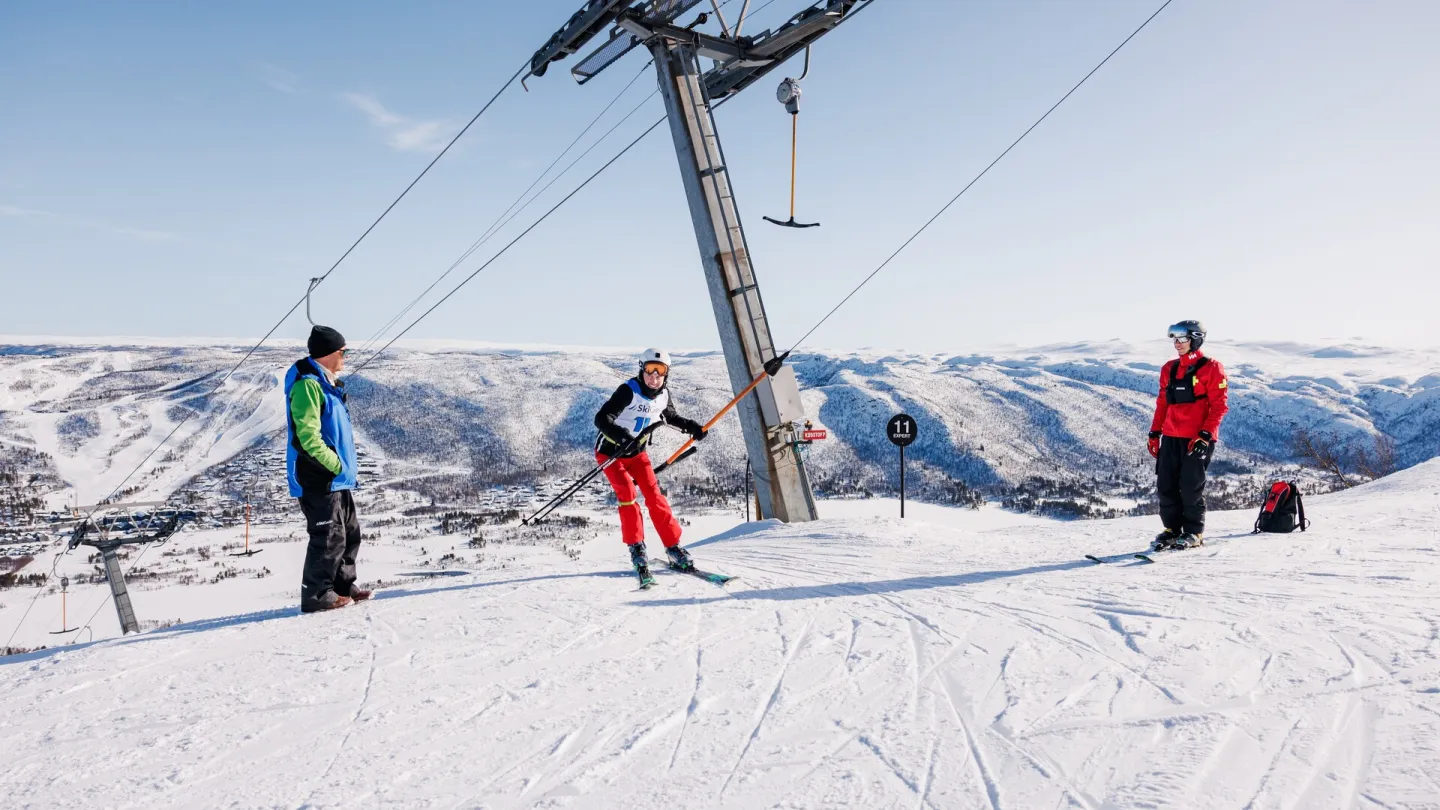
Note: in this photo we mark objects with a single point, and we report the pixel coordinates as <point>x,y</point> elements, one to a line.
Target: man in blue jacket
<point>320,461</point>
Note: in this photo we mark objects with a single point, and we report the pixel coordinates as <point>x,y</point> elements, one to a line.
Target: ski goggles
<point>656,368</point>
<point>1179,333</point>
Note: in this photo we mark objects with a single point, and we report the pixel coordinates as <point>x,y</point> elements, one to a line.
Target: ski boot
<point>1188,540</point>
<point>1164,540</point>
<point>642,565</point>
<point>679,559</point>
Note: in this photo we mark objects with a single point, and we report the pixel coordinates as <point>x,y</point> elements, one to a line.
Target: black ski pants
<point>1180,484</point>
<point>334,528</point>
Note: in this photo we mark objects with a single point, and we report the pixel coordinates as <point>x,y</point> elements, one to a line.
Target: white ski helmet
<point>655,356</point>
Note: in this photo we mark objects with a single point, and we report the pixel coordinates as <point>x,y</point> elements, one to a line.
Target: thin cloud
<point>373,109</point>
<point>278,78</point>
<point>16,211</point>
<point>143,234</point>
<point>401,133</point>
<point>423,136</point>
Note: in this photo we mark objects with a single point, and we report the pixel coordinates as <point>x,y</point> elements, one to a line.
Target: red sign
<point>815,435</point>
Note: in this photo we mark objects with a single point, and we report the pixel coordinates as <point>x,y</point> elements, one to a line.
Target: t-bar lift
<point>769,418</point>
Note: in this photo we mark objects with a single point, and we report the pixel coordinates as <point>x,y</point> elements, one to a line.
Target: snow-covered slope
<point>100,413</point>
<point>859,663</point>
<point>992,417</point>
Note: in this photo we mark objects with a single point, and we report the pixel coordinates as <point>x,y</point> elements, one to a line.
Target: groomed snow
<point>861,662</point>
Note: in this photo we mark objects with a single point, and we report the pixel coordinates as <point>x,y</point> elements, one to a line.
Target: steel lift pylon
<point>769,418</point>
<point>95,533</point>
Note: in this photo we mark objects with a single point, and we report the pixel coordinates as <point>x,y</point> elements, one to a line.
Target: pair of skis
<point>708,576</point>
<point>1119,557</point>
<point>1143,556</point>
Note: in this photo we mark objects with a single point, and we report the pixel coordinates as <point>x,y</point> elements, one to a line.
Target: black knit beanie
<point>324,340</point>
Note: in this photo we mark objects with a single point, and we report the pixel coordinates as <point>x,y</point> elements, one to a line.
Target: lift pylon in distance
<point>769,417</point>
<point>110,532</point>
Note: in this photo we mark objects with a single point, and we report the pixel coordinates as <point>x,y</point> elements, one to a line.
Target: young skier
<point>1188,410</point>
<point>639,403</point>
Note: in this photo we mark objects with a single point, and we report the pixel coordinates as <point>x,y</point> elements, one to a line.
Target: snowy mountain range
<point>990,418</point>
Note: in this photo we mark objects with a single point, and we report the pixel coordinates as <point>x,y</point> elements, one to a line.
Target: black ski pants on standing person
<point>334,528</point>
<point>1180,484</point>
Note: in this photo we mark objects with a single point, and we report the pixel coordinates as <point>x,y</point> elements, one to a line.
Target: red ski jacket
<point>1194,400</point>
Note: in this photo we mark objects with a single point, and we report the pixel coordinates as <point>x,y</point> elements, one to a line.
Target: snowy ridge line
<point>1071,413</point>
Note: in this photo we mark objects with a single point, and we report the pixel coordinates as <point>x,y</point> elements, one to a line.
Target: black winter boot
<point>679,559</point>
<point>642,565</point>
<point>1188,540</point>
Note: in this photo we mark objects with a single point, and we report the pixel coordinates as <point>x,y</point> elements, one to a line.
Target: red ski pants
<point>627,475</point>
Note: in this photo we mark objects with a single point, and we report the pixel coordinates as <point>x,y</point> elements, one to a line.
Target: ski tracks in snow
<point>855,665</point>
<point>354,723</point>
<point>788,652</point>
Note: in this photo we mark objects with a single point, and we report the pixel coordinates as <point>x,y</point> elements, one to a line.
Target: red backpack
<point>1284,510</point>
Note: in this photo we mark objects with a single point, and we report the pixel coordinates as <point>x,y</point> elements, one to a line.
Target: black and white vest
<point>642,412</point>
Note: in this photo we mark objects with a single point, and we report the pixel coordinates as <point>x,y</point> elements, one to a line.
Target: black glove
<point>1202,445</point>
<point>616,435</point>
<point>695,429</point>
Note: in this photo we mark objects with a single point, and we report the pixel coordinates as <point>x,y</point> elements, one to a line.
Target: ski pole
<point>569,492</point>
<point>585,479</point>
<point>772,367</point>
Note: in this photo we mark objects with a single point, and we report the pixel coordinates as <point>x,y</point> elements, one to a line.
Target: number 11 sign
<point>901,431</point>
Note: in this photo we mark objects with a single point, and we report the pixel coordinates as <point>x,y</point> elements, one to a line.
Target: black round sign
<point>901,430</point>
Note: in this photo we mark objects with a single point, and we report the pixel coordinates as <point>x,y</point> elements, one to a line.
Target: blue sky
<point>181,169</point>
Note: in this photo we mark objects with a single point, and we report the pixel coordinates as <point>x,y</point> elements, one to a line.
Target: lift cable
<point>38,592</point>
<point>315,282</point>
<point>581,157</point>
<point>510,244</point>
<point>511,216</point>
<point>507,217</point>
<point>501,221</point>
<point>947,205</point>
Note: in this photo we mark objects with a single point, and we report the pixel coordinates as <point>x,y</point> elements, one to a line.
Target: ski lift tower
<point>98,534</point>
<point>771,433</point>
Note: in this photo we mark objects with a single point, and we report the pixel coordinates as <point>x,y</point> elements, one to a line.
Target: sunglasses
<point>344,352</point>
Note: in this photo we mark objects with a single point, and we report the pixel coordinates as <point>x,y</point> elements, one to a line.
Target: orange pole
<point>247,528</point>
<point>736,401</point>
<point>794,122</point>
